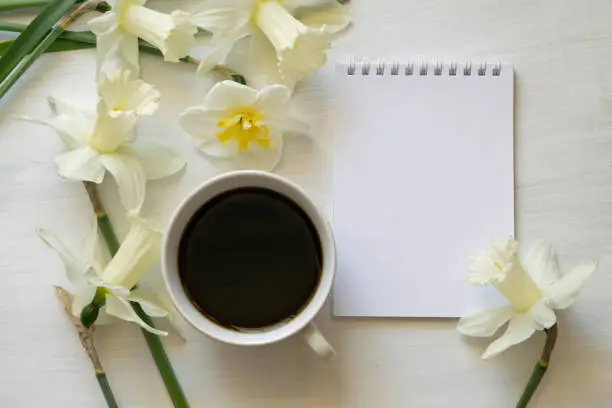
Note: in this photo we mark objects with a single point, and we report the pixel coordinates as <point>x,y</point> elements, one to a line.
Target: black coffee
<point>250,258</point>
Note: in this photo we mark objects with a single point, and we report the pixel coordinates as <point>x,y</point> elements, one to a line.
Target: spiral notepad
<point>423,180</point>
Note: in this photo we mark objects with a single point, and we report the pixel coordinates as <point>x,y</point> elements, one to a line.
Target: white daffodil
<point>534,289</point>
<point>118,31</point>
<point>242,125</point>
<point>287,39</point>
<point>103,142</point>
<point>138,252</point>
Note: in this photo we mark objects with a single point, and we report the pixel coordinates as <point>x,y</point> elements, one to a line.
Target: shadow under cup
<point>204,198</point>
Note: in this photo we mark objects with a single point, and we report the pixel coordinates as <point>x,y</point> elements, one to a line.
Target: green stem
<point>108,233</point>
<point>25,63</point>
<point>162,362</point>
<point>86,37</point>
<point>106,389</point>
<point>155,345</point>
<point>540,368</point>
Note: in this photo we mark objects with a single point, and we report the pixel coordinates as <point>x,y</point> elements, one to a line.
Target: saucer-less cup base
<point>302,323</point>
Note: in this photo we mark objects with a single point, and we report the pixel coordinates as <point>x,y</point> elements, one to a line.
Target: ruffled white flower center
<point>299,49</point>
<point>244,127</point>
<point>500,267</point>
<point>172,33</point>
<point>123,93</point>
<point>111,130</point>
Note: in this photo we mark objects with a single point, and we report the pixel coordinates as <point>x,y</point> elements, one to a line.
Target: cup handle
<point>317,342</point>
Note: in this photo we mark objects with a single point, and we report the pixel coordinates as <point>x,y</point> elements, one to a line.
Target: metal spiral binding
<point>421,68</point>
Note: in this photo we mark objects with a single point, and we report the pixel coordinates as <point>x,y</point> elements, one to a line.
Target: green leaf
<point>9,80</point>
<point>7,5</point>
<point>32,36</point>
<point>59,45</point>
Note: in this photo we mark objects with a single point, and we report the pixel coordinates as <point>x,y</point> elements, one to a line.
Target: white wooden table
<point>562,53</point>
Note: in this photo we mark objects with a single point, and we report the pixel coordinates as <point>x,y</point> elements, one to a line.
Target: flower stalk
<point>87,341</point>
<point>154,343</point>
<point>540,368</point>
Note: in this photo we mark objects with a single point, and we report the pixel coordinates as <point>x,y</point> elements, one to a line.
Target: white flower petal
<point>300,50</point>
<point>492,265</point>
<point>149,307</point>
<point>115,49</point>
<point>218,50</point>
<point>306,56</point>
<point>158,161</point>
<point>332,19</point>
<point>541,263</point>
<point>121,92</point>
<point>172,34</point>
<point>112,129</point>
<point>130,177</point>
<point>543,317</point>
<point>138,252</point>
<point>97,253</point>
<point>565,291</point>
<point>122,309</point>
<point>80,164</point>
<point>116,290</point>
<point>71,123</point>
<point>218,19</point>
<point>129,53</point>
<point>519,330</point>
<point>202,125</point>
<point>153,290</point>
<point>263,66</point>
<point>257,158</point>
<point>75,268</point>
<point>200,122</point>
<point>103,23</point>
<point>484,323</point>
<point>222,44</point>
<point>273,101</point>
<point>182,38</point>
<point>229,95</point>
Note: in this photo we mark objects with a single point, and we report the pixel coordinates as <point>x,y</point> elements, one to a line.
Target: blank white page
<point>423,180</point>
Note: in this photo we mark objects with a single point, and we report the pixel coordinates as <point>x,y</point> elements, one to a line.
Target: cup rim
<point>173,233</point>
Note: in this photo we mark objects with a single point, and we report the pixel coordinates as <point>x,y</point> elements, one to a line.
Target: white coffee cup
<point>301,323</point>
